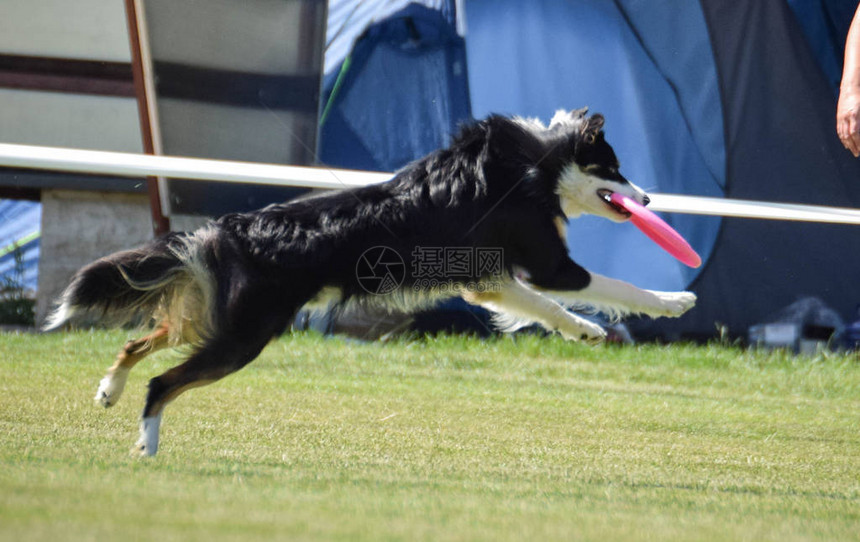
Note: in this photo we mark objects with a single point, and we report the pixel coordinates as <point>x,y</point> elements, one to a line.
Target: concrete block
<point>81,226</point>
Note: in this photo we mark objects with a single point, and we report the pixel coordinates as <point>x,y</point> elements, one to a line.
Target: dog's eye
<point>602,171</point>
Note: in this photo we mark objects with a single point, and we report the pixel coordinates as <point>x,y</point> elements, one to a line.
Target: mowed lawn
<point>435,439</point>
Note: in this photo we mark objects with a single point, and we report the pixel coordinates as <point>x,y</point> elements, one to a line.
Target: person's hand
<point>848,119</point>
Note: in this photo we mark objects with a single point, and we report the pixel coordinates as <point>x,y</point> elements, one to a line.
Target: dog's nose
<point>645,200</point>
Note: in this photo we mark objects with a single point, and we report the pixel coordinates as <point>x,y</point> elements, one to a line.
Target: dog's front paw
<point>673,304</point>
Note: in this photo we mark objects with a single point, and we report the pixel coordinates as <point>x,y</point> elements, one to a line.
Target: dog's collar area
<point>606,196</point>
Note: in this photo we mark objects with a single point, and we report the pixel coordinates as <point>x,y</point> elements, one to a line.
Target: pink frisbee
<point>659,232</point>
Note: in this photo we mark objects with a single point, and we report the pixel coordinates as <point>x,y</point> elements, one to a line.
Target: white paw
<point>147,444</point>
<point>111,387</point>
<point>672,304</point>
<point>583,330</point>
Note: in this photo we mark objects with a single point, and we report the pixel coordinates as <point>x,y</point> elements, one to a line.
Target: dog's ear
<point>591,128</point>
<point>568,118</point>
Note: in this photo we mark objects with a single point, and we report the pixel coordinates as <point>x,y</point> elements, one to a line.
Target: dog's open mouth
<point>606,196</point>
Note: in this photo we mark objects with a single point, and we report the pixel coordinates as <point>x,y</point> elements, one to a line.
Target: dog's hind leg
<point>112,385</point>
<point>210,362</point>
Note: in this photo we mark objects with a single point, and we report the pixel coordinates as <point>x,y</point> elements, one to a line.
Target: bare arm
<point>848,108</point>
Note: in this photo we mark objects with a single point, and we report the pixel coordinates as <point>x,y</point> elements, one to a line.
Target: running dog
<point>505,186</point>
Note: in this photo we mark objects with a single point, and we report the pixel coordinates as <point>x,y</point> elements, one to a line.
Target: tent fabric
<point>648,67</point>
<point>781,146</point>
<point>348,19</point>
<point>825,25</point>
<point>20,223</point>
<point>401,95</point>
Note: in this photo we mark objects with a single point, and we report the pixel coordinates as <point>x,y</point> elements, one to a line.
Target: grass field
<point>438,439</point>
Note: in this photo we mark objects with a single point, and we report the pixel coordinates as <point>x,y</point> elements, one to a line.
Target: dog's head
<point>589,169</point>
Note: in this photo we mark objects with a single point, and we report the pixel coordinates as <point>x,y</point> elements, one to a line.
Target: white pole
<point>697,205</point>
<point>142,165</point>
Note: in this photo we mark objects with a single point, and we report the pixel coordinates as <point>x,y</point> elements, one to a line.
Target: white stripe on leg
<point>617,298</point>
<point>147,444</point>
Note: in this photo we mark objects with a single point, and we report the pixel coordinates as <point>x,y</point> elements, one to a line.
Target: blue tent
<point>399,92</point>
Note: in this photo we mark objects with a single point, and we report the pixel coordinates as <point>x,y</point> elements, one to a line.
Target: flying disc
<point>661,233</point>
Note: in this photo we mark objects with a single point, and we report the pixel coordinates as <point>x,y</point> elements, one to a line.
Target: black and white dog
<point>503,190</point>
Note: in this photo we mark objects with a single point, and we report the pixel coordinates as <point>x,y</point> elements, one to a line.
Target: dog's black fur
<point>230,287</point>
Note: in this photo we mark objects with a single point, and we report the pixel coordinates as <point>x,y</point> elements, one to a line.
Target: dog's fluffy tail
<point>167,279</point>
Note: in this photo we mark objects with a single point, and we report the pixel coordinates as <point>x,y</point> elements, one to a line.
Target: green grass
<point>442,439</point>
